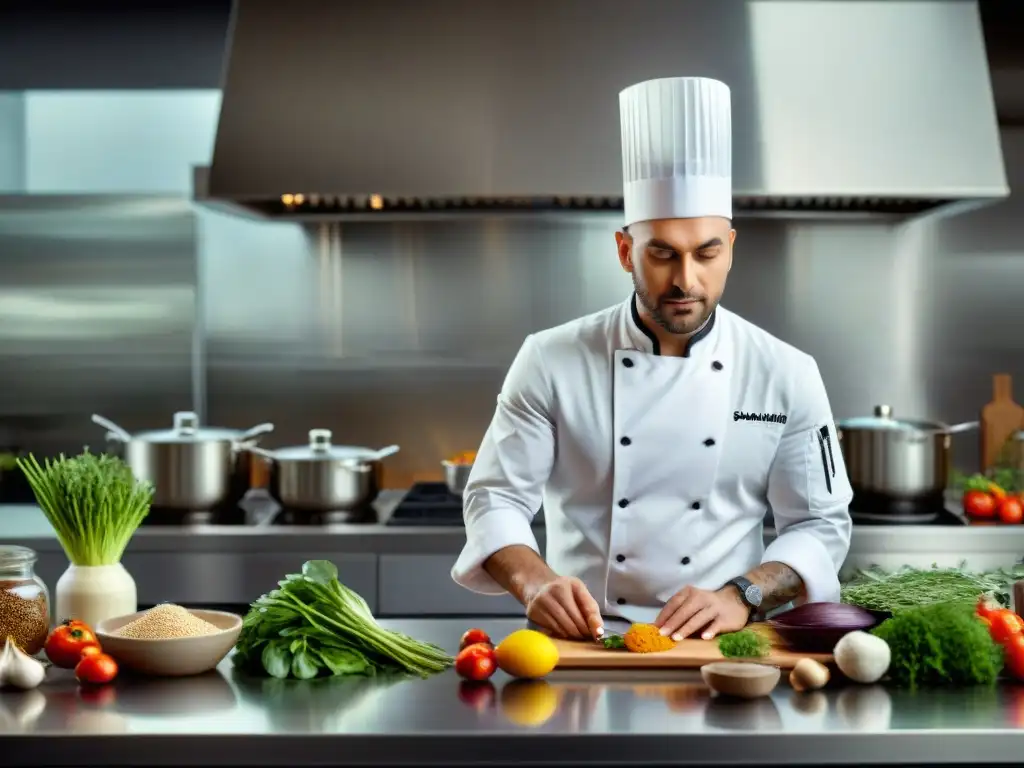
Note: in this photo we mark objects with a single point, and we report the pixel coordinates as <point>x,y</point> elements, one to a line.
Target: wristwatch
<point>750,593</point>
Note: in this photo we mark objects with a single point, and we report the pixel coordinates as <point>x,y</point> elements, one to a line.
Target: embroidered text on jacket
<point>774,418</point>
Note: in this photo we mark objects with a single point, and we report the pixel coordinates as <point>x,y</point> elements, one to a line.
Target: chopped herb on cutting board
<point>745,644</point>
<point>614,643</point>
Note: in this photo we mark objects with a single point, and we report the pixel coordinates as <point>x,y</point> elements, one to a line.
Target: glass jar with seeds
<point>24,600</point>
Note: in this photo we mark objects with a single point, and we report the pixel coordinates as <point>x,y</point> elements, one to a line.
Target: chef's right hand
<point>564,607</point>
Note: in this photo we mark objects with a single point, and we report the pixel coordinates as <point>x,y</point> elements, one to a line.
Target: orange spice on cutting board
<point>647,638</point>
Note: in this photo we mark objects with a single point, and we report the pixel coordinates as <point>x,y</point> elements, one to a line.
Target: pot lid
<point>321,448</point>
<point>187,429</point>
<point>883,420</point>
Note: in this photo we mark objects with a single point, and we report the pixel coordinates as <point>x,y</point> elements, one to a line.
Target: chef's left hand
<point>691,609</point>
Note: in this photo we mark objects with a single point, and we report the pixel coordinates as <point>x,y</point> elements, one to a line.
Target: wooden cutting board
<point>1000,419</point>
<point>688,654</point>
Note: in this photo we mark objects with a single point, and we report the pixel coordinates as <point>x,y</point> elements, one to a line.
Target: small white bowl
<point>176,656</point>
<point>741,680</point>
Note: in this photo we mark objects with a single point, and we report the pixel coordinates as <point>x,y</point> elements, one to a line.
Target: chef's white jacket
<point>656,472</point>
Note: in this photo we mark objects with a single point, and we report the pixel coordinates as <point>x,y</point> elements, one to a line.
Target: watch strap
<point>742,585</point>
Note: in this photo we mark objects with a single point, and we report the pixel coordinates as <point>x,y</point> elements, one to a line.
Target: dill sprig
<point>878,590</point>
<point>94,504</point>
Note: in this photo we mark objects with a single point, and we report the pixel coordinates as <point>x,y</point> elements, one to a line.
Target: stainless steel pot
<point>192,468</point>
<point>898,460</point>
<point>322,477</point>
<point>456,475</point>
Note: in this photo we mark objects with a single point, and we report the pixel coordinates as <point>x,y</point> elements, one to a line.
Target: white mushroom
<point>808,675</point>
<point>862,657</point>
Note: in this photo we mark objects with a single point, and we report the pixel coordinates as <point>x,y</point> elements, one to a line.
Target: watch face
<point>753,595</point>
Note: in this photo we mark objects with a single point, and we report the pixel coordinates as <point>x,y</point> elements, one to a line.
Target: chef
<point>657,434</point>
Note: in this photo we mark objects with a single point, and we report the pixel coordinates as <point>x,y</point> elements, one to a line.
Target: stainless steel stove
<point>432,504</point>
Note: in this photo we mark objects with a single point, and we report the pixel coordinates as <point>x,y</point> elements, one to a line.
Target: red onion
<point>827,616</point>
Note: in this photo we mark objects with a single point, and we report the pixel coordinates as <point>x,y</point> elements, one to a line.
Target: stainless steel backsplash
<point>402,332</point>
<point>97,314</point>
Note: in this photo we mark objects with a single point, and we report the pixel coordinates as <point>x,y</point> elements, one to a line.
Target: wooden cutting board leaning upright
<point>1000,419</point>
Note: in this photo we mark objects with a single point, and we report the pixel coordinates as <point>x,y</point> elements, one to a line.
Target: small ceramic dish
<point>174,657</point>
<point>741,680</point>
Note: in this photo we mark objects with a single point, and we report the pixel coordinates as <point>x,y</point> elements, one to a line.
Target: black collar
<point>655,344</point>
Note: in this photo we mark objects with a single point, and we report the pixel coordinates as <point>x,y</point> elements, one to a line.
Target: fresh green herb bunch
<point>614,642</point>
<point>315,625</point>
<point>940,644</point>
<point>94,504</point>
<point>878,590</point>
<point>743,644</point>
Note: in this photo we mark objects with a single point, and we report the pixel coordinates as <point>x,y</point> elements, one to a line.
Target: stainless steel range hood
<point>339,109</point>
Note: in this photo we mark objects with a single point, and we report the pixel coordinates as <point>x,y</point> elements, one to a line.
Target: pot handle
<point>257,431</point>
<point>966,426</point>
<point>253,448</point>
<point>383,453</point>
<point>114,431</point>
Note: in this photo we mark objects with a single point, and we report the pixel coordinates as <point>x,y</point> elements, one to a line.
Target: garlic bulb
<point>18,669</point>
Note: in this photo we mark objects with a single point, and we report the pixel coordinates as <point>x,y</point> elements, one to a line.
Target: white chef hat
<point>676,149</point>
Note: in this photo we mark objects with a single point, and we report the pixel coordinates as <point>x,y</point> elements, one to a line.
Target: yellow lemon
<point>529,702</point>
<point>526,653</point>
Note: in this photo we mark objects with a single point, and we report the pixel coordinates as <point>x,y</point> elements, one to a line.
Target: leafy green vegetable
<point>879,590</point>
<point>314,625</point>
<point>614,642</point>
<point>1004,474</point>
<point>940,644</point>
<point>94,504</point>
<point>743,644</point>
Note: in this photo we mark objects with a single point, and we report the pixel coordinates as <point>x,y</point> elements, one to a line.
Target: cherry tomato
<point>478,695</point>
<point>1004,624</point>
<point>1011,511</point>
<point>90,650</point>
<point>96,669</point>
<point>1014,655</point>
<point>65,644</point>
<point>474,636</point>
<point>476,662</point>
<point>980,505</point>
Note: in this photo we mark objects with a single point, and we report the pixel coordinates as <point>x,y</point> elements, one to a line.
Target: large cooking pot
<point>898,461</point>
<point>321,477</point>
<point>192,468</point>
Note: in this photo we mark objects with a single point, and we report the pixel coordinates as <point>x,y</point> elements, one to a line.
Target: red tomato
<point>1004,624</point>
<point>474,636</point>
<point>980,505</point>
<point>65,644</point>
<point>1014,650</point>
<point>985,610</point>
<point>478,695</point>
<point>476,662</point>
<point>1011,511</point>
<point>96,669</point>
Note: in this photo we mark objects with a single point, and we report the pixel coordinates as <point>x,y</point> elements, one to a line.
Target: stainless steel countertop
<point>224,718</point>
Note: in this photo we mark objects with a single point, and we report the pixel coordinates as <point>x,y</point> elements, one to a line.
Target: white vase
<point>94,593</point>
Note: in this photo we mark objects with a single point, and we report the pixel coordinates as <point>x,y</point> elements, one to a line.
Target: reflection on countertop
<point>219,712</point>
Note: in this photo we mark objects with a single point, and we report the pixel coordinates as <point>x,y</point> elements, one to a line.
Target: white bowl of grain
<point>170,641</point>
